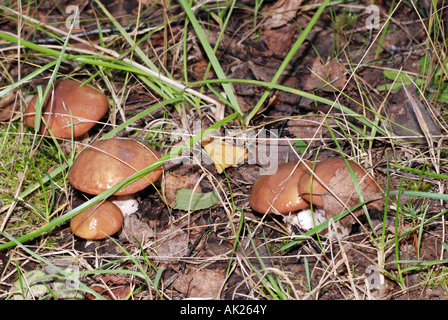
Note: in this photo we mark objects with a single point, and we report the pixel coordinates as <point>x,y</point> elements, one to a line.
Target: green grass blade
<point>211,56</point>
<point>288,58</point>
<point>177,150</point>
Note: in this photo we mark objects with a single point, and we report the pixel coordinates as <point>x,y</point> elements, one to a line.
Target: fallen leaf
<point>311,129</point>
<point>180,177</point>
<point>223,154</point>
<point>112,288</point>
<point>135,230</point>
<point>329,77</point>
<point>279,40</point>
<point>33,285</point>
<point>283,12</point>
<point>404,121</point>
<point>204,283</point>
<point>7,106</point>
<point>172,244</point>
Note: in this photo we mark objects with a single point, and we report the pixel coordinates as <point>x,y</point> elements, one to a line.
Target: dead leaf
<point>204,283</point>
<point>283,12</point>
<point>172,244</point>
<point>135,230</point>
<point>279,40</point>
<point>199,69</point>
<point>330,77</point>
<point>223,154</point>
<point>7,106</point>
<point>180,177</point>
<point>311,129</point>
<point>404,121</point>
<point>112,288</point>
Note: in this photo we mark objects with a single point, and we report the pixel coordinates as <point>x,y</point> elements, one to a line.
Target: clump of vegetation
<point>25,166</point>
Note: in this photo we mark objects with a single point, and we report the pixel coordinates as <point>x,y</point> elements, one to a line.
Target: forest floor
<point>304,79</point>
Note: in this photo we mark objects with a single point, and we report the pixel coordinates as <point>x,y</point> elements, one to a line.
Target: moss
<point>437,278</point>
<point>418,186</point>
<point>20,164</point>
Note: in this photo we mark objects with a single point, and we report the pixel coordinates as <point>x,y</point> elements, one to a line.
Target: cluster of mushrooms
<point>308,193</point>
<point>71,110</point>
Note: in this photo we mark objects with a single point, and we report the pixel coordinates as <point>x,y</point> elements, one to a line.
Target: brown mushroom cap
<point>334,173</point>
<point>107,162</point>
<point>72,103</point>
<point>98,221</point>
<point>276,193</point>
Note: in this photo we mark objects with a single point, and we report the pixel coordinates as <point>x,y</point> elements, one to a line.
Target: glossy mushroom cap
<point>278,192</point>
<point>107,162</point>
<point>334,174</point>
<point>69,103</point>
<point>98,221</point>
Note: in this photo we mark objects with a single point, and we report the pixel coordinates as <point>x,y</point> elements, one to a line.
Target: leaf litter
<point>172,229</point>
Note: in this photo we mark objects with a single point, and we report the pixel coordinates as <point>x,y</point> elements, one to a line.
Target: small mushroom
<point>277,191</point>
<point>108,162</point>
<point>331,187</point>
<point>98,221</point>
<point>68,105</point>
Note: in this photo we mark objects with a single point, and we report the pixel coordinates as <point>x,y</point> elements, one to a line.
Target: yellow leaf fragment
<point>224,154</point>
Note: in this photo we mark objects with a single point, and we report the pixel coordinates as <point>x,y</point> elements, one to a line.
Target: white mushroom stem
<point>305,219</point>
<point>128,204</point>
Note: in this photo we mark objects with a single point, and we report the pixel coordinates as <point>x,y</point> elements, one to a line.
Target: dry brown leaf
<point>172,244</point>
<point>284,11</point>
<point>181,177</point>
<point>311,129</point>
<point>279,41</point>
<point>203,283</point>
<point>405,123</point>
<point>112,288</point>
<point>136,230</point>
<point>333,73</point>
<point>7,106</point>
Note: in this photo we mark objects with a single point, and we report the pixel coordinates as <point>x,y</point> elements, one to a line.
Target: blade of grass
<point>63,167</point>
<point>27,78</point>
<point>346,110</point>
<point>177,150</point>
<point>48,263</point>
<point>422,172</point>
<point>114,61</point>
<point>211,56</point>
<point>288,59</point>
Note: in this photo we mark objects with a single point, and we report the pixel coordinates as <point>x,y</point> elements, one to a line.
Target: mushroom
<point>276,191</point>
<point>68,105</point>
<point>328,187</point>
<point>108,162</point>
<point>331,187</point>
<point>98,221</point>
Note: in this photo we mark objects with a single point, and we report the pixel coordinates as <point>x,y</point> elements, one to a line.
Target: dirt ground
<point>198,251</point>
